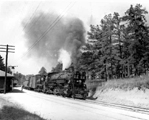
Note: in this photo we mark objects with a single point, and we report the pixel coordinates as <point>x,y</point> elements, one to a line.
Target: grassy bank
<point>10,111</point>
<point>141,83</point>
<point>130,91</point>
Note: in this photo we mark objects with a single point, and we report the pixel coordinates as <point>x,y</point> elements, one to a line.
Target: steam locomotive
<point>66,83</point>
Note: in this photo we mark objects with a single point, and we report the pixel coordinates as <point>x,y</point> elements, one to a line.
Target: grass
<point>10,111</point>
<point>140,82</point>
<point>92,86</point>
<point>122,91</point>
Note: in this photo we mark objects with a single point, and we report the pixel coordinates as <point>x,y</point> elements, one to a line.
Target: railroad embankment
<point>131,91</point>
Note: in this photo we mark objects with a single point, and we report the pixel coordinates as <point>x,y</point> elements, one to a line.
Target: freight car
<point>34,82</point>
<point>64,83</point>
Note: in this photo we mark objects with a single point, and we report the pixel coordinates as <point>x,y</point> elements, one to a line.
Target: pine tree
<point>119,46</point>
<point>138,36</point>
<point>2,66</point>
<point>57,68</point>
<point>43,71</point>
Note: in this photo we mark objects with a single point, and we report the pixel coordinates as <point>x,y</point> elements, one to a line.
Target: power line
<point>50,27</point>
<point>7,49</point>
<point>32,15</point>
<point>29,18</point>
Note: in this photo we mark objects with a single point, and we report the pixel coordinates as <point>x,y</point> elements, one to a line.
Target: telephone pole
<point>7,49</point>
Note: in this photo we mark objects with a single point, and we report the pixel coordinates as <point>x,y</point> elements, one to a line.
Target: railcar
<point>34,82</point>
<point>64,83</point>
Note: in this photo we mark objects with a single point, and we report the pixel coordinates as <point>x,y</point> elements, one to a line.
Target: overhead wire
<point>32,15</point>
<point>50,28</point>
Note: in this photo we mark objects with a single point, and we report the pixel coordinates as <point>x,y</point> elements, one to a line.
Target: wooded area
<point>118,47</point>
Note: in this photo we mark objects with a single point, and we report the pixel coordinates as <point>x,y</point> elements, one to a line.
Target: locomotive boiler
<point>67,84</point>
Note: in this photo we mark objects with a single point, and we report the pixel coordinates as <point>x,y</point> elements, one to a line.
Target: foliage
<point>140,82</point>
<point>119,46</point>
<point>2,66</point>
<point>57,68</point>
<point>43,71</point>
<point>20,77</point>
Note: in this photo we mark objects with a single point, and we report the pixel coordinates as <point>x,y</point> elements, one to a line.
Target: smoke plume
<point>51,37</point>
<point>65,58</point>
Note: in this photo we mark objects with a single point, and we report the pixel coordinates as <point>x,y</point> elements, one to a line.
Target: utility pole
<point>7,49</point>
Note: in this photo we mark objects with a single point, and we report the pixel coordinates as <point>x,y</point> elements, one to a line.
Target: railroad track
<point>102,103</point>
<point>89,105</point>
<point>127,107</point>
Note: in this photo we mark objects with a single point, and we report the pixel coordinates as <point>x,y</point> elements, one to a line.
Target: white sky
<point>12,13</point>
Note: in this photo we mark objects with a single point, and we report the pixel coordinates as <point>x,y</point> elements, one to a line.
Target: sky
<point>15,16</point>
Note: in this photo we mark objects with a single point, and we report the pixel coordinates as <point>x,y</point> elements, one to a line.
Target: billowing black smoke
<point>49,34</point>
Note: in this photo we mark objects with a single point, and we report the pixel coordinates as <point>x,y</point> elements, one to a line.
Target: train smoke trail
<point>67,35</point>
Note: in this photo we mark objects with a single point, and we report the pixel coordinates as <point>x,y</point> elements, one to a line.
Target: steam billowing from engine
<point>65,58</point>
<point>53,37</point>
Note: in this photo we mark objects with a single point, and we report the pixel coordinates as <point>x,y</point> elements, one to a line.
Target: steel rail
<point>116,105</point>
<point>128,107</point>
<point>57,100</point>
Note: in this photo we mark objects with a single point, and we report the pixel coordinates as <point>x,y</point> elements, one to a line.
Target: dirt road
<point>58,108</point>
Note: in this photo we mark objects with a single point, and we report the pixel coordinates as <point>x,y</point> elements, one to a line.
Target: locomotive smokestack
<point>55,41</point>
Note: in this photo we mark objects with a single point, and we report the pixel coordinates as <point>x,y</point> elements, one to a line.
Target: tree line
<point>118,47</point>
<point>2,66</point>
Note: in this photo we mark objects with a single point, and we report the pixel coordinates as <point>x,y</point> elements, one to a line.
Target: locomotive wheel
<point>63,95</point>
<point>72,96</point>
<point>56,91</point>
<point>84,96</point>
<point>69,94</point>
<point>44,91</point>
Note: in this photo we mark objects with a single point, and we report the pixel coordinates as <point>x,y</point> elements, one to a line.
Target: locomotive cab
<point>80,89</point>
